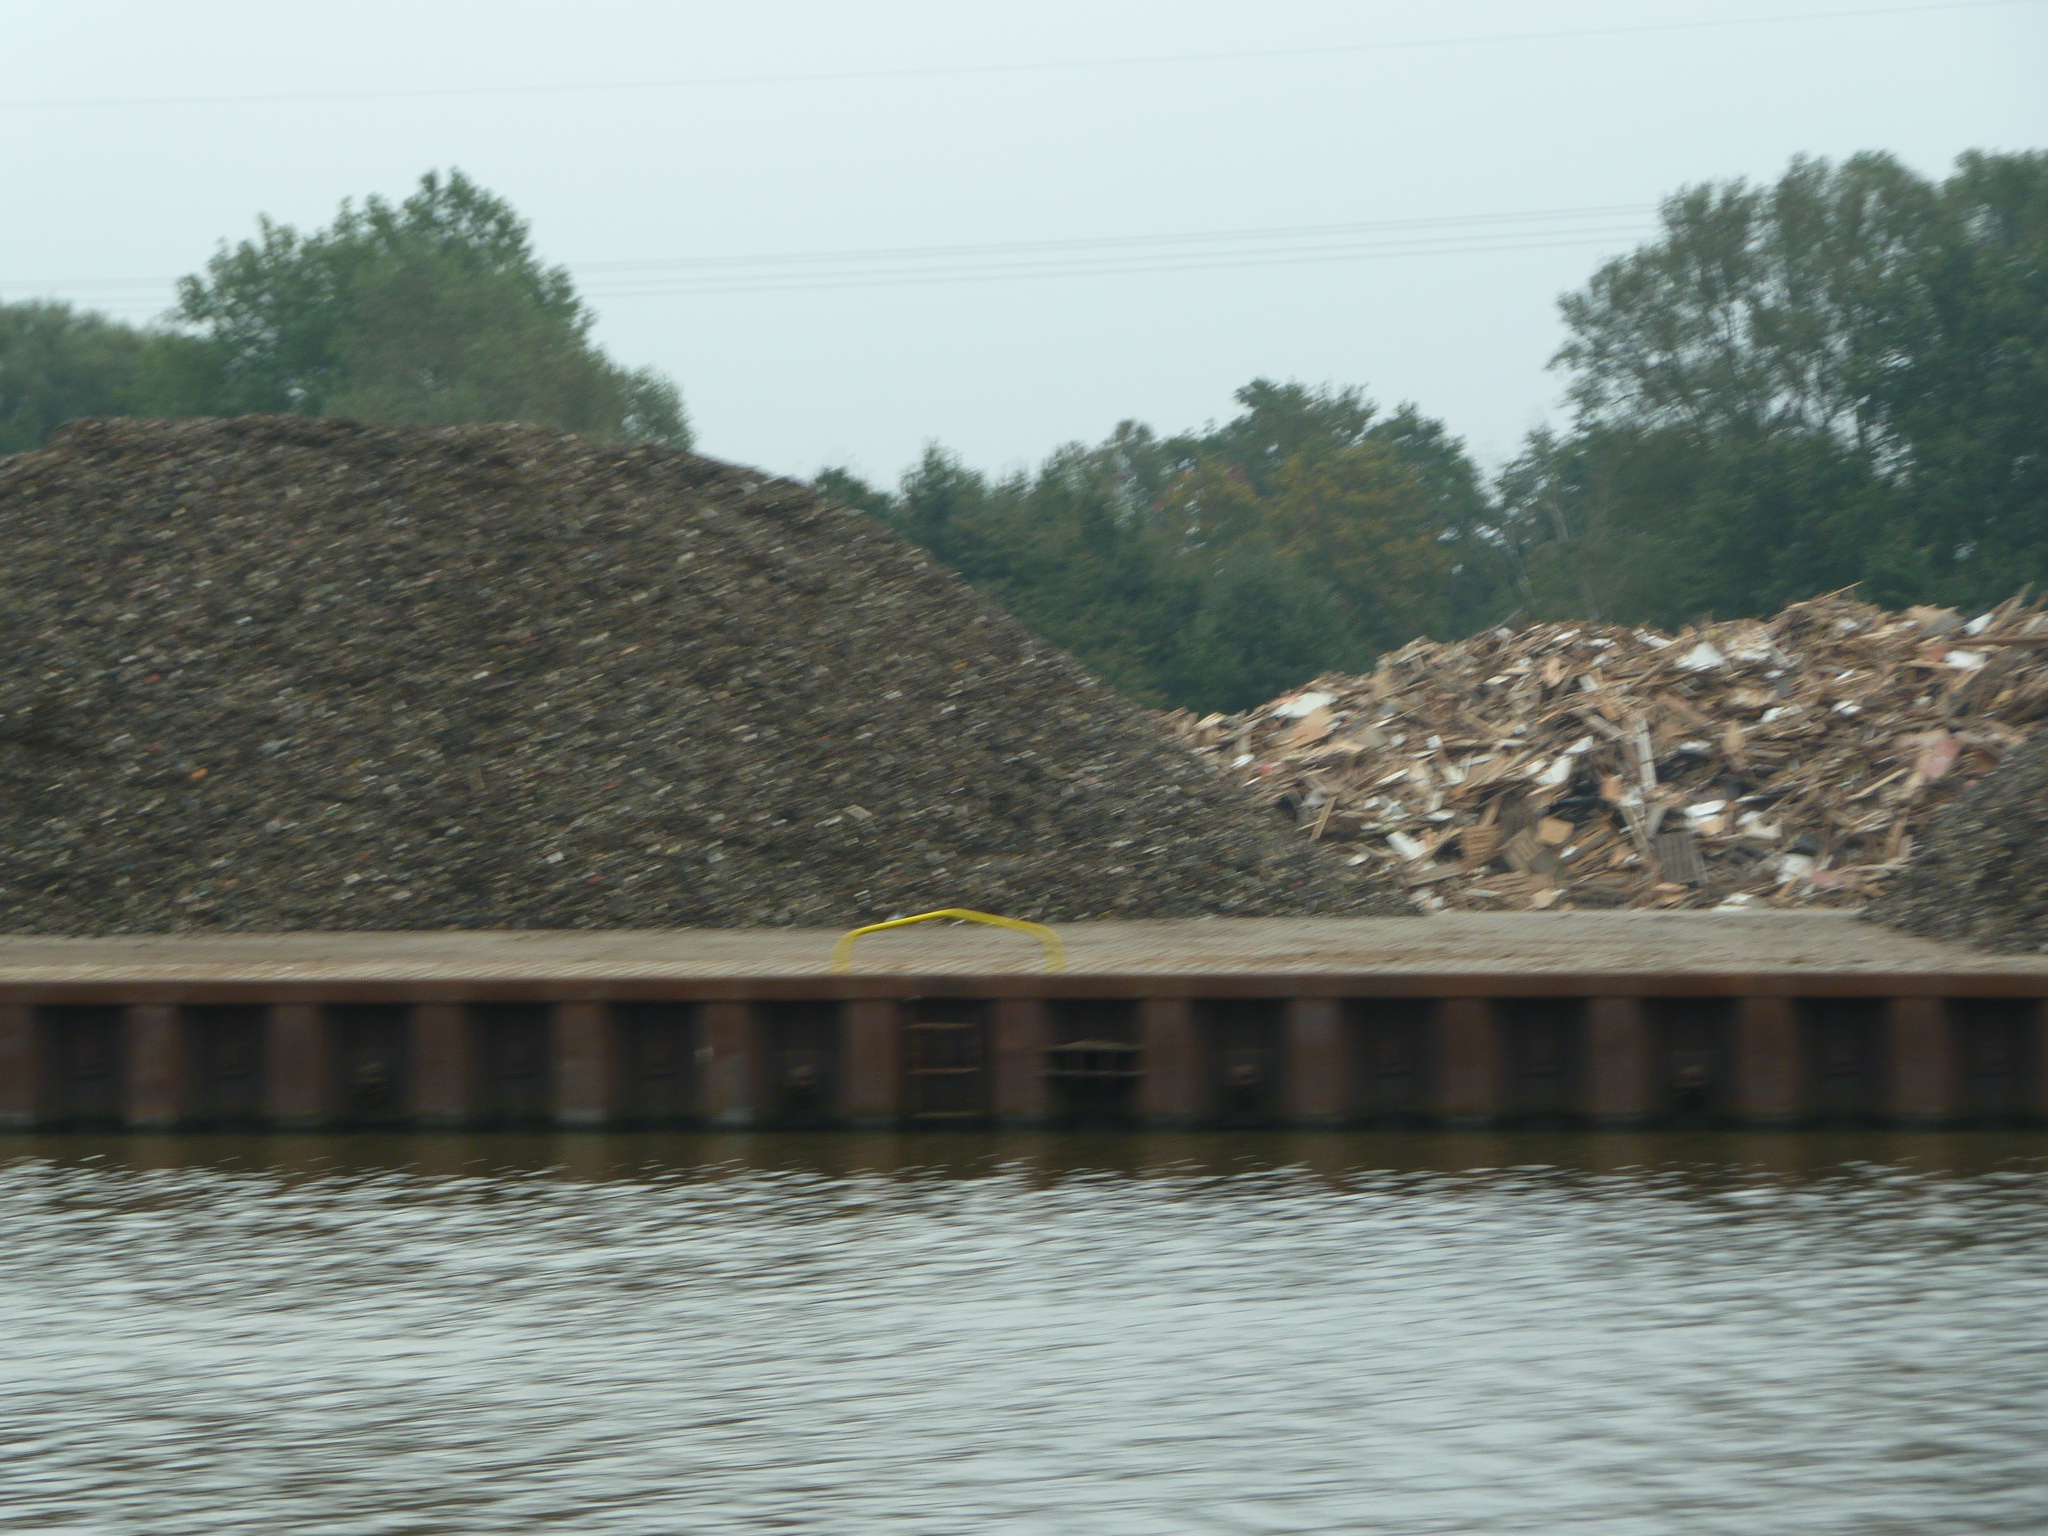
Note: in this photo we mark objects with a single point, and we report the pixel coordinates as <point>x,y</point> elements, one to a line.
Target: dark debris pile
<point>1981,875</point>
<point>277,673</point>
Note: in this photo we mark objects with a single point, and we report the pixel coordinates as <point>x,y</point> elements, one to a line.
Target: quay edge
<point>1598,1019</point>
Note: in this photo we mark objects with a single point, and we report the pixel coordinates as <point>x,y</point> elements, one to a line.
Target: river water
<point>652,1335</point>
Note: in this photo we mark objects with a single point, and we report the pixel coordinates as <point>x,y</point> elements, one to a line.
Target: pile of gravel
<point>1980,874</point>
<point>277,673</point>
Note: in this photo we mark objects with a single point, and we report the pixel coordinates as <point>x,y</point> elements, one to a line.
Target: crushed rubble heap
<point>1789,761</point>
<point>278,673</point>
<point>1981,875</point>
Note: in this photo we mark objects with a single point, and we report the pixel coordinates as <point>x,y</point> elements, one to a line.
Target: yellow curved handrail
<point>1055,946</point>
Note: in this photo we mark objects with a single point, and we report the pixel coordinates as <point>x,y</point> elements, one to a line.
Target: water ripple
<point>740,1348</point>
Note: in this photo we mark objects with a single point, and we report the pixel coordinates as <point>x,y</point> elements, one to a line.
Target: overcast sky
<point>1384,195</point>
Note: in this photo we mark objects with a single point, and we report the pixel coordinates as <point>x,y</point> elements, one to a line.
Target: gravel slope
<point>1980,875</point>
<point>277,673</point>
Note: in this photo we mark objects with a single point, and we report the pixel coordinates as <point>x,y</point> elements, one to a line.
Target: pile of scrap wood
<point>1786,761</point>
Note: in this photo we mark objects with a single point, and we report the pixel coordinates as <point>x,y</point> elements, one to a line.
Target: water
<point>1024,1335</point>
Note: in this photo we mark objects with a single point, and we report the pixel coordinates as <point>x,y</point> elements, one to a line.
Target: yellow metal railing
<point>1055,947</point>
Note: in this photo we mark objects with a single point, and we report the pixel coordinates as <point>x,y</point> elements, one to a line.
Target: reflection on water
<point>1127,1335</point>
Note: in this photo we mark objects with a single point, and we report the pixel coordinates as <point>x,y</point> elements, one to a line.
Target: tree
<point>1264,623</point>
<point>1389,512</point>
<point>1959,379</point>
<point>1060,549</point>
<point>1653,525</point>
<point>1278,422</point>
<point>1842,377</point>
<point>1752,311</point>
<point>1347,510</point>
<point>57,364</point>
<point>1212,569</point>
<point>433,310</point>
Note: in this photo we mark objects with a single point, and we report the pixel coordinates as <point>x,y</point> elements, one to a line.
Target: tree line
<point>1839,377</point>
<point>429,311</point>
<point>1216,568</point>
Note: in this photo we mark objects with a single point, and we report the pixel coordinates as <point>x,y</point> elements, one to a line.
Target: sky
<point>849,230</point>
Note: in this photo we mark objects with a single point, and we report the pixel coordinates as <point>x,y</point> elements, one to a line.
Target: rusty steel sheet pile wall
<point>1297,1026</point>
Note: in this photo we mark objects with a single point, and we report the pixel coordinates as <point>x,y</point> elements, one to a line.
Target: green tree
<point>1346,509</point>
<point>57,364</point>
<point>1212,569</point>
<point>1278,422</point>
<point>1653,525</point>
<point>1959,380</point>
<point>1263,623</point>
<point>1061,549</point>
<point>1752,310</point>
<point>1390,508</point>
<point>1841,377</point>
<point>432,310</point>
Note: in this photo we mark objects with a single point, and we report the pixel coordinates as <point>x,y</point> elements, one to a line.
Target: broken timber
<point>1788,762</point>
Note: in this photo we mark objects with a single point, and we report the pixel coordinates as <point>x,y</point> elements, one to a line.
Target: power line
<point>1017,273</point>
<point>937,71</point>
<point>713,285</point>
<point>737,284</point>
<point>151,284</point>
<point>1277,240</point>
<point>1106,242</point>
